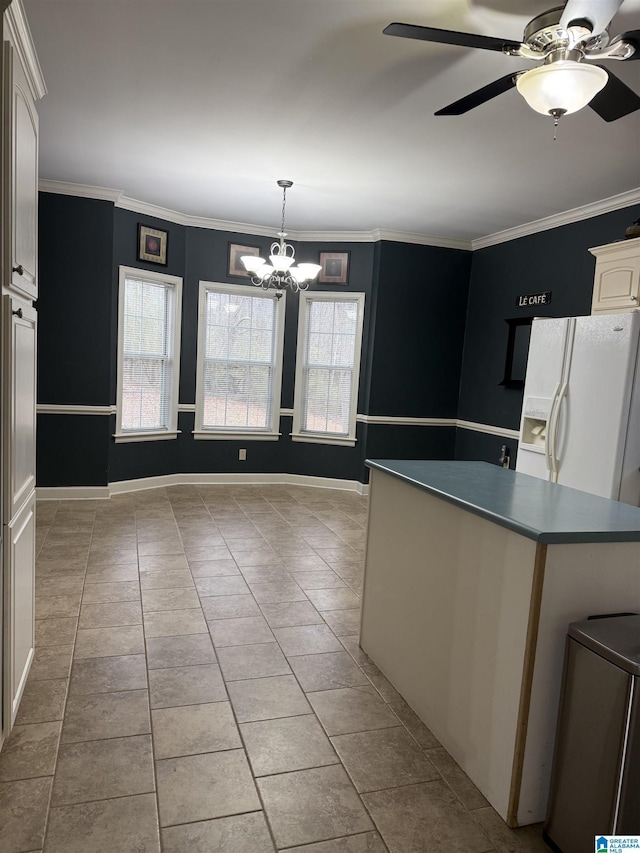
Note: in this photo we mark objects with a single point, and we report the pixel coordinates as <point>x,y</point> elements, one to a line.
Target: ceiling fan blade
<point>616,100</point>
<point>413,31</point>
<point>480,96</point>
<point>598,12</point>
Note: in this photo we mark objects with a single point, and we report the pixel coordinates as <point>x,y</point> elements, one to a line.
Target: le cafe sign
<point>532,299</point>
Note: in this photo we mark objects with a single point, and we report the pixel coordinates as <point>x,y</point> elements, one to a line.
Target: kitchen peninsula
<point>472,575</point>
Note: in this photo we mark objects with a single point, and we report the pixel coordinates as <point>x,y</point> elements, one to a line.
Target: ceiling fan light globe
<point>564,86</point>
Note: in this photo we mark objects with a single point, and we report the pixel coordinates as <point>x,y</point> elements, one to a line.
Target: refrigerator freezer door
<point>594,417</point>
<point>546,371</point>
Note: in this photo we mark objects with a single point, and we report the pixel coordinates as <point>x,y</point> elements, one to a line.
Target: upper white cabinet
<point>616,286</point>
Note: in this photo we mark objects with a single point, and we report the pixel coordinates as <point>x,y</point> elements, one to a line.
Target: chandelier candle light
<point>281,272</point>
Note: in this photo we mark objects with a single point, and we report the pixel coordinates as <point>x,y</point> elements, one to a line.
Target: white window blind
<point>239,354</point>
<point>147,366</point>
<point>330,332</point>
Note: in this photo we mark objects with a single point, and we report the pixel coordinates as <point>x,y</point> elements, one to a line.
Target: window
<point>328,367</point>
<point>240,340</point>
<point>148,355</point>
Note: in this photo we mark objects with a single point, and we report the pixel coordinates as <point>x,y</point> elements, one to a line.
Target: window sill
<point>126,437</point>
<point>310,438</point>
<point>213,435</point>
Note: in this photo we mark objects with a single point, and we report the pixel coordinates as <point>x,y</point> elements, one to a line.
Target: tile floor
<point>198,688</point>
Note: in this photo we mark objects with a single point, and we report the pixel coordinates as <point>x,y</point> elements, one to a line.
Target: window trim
<point>244,434</point>
<point>297,434</point>
<point>153,434</point>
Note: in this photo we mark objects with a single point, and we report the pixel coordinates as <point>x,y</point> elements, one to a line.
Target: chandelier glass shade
<point>561,87</point>
<point>281,270</point>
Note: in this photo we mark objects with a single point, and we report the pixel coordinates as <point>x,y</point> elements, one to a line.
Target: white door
<point>546,373</point>
<point>594,415</point>
<point>19,404</point>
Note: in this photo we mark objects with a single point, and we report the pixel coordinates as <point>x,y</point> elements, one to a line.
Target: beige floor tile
<point>156,547</point>
<point>350,710</point>
<point>23,814</point>
<point>307,640</point>
<point>382,685</point>
<point>383,758</point>
<point>29,751</point>
<point>213,568</point>
<point>327,579</point>
<point>213,552</point>
<point>312,805</point>
<point>267,698</point>
<point>103,593</point>
<point>121,825</point>
<point>112,557</point>
<point>457,779</point>
<point>55,632</point>
<point>202,787</point>
<point>224,585</point>
<point>425,818</point>
<point>111,574</point>
<point>185,685</point>
<point>228,606</point>
<point>159,562</point>
<point>108,675</point>
<point>333,599</point>
<point>367,842</point>
<point>166,579</point>
<point>194,729</point>
<point>189,650</point>
<point>106,715</point>
<point>169,599</point>
<point>259,661</point>
<point>414,725</point>
<point>57,606</point>
<point>59,586</point>
<point>305,563</point>
<point>288,614</point>
<point>51,662</point>
<point>174,623</point>
<point>109,642</point>
<point>245,631</point>
<point>282,745</point>
<point>327,671</point>
<point>527,839</point>
<point>266,574</point>
<point>246,833</point>
<point>42,701</point>
<point>277,591</point>
<point>110,615</point>
<point>342,622</point>
<point>103,769</point>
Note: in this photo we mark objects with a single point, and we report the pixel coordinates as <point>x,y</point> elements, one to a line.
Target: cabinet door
<point>21,138</point>
<point>616,286</point>
<point>19,610</point>
<point>19,404</point>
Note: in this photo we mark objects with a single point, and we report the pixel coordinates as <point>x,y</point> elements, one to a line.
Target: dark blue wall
<point>557,260</point>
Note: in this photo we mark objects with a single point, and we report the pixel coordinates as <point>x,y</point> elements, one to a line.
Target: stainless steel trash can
<point>595,782</point>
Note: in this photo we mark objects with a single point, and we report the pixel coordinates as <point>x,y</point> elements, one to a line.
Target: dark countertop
<point>542,511</point>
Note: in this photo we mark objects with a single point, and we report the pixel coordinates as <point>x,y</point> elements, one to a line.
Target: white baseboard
<point>64,493</point>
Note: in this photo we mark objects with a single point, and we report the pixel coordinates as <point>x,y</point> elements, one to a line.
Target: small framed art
<point>236,251</point>
<point>152,245</point>
<point>335,268</point>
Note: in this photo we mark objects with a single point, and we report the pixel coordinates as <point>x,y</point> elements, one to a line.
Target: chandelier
<point>281,272</point>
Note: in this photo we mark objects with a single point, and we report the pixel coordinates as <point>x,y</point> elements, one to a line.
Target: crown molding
<point>576,214</point>
<point>20,34</point>
<point>124,202</point>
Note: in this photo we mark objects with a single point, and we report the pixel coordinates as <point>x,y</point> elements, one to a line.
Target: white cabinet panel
<point>19,611</point>
<point>19,404</point>
<point>616,284</point>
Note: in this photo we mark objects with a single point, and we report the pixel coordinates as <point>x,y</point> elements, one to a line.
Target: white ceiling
<point>201,105</point>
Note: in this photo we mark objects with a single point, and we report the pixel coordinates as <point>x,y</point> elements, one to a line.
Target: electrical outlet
<point>242,454</point>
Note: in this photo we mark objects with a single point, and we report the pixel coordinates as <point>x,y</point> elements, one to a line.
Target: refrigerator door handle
<point>553,430</point>
<point>548,444</point>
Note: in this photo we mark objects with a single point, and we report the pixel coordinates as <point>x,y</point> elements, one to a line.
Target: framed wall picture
<point>335,268</point>
<point>152,245</point>
<point>235,266</point>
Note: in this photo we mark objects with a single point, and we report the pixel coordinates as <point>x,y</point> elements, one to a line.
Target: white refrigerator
<point>580,422</point>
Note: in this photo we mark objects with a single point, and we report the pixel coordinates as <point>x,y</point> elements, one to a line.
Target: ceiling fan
<point>567,42</point>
